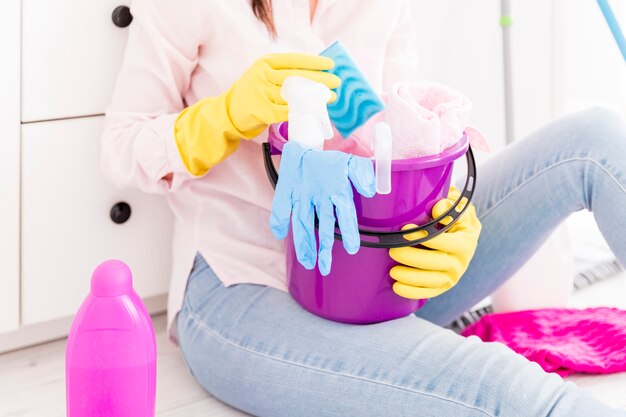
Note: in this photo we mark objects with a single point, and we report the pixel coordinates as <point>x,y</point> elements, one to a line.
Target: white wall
<point>460,45</point>
<point>563,58</point>
<point>589,67</point>
<point>532,56</point>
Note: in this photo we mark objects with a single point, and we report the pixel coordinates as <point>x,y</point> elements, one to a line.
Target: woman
<point>194,95</point>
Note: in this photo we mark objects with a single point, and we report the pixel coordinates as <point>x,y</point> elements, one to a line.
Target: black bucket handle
<point>396,239</point>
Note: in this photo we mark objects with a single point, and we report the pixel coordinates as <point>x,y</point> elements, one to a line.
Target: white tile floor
<point>32,380</point>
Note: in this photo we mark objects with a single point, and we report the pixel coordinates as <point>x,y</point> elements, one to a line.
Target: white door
<point>67,226</point>
<point>9,164</point>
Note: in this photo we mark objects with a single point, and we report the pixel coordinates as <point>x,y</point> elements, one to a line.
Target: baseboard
<point>57,329</point>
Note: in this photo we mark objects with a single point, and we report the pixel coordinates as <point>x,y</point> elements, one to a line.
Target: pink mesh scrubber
<point>426,118</point>
<point>563,341</point>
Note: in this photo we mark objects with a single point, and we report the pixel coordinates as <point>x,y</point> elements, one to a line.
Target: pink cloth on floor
<point>563,341</point>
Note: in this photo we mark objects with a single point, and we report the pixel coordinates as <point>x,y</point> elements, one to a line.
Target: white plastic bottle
<point>309,123</point>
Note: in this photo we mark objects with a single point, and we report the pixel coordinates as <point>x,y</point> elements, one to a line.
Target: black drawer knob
<point>121,16</point>
<point>120,212</point>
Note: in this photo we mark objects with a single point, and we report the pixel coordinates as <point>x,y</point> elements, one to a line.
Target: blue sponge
<point>356,99</point>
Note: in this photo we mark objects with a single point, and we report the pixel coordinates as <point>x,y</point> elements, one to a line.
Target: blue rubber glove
<point>313,181</point>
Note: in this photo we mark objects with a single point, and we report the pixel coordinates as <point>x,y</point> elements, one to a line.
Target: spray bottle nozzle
<point>309,124</point>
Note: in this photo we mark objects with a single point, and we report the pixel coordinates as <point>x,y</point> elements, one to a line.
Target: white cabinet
<point>67,228</point>
<point>59,63</point>
<point>71,52</point>
<point>9,165</point>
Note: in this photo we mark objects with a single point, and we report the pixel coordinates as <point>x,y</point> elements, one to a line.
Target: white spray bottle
<point>309,123</point>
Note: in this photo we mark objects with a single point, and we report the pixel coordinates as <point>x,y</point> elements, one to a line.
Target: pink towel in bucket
<point>563,341</point>
<point>427,118</point>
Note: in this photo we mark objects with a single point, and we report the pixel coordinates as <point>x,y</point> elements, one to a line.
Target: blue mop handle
<point>613,25</point>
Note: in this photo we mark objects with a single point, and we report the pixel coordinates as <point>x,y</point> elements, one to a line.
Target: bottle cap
<point>111,278</point>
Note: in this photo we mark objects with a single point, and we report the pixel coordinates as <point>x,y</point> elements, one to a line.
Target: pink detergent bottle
<point>111,350</point>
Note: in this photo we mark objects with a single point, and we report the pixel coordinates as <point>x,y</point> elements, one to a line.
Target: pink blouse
<point>179,52</point>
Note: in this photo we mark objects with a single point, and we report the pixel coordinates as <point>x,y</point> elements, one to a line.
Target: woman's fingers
<point>447,242</point>
<point>417,293</point>
<point>420,278</point>
<point>273,93</point>
<point>329,80</point>
<point>299,61</point>
<point>454,193</point>
<point>279,113</point>
<point>440,208</point>
<point>435,260</point>
<point>415,235</point>
<point>451,242</point>
<point>274,96</point>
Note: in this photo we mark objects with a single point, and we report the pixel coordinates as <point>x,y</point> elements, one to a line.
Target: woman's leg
<point>577,162</point>
<point>256,349</point>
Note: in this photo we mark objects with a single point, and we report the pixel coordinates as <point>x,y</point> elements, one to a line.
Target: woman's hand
<point>210,130</point>
<point>254,101</point>
<point>427,273</point>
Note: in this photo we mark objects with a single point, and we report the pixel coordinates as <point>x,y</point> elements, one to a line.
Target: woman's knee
<point>600,128</point>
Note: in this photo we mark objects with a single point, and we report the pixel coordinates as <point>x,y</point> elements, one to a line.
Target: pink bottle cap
<point>111,278</point>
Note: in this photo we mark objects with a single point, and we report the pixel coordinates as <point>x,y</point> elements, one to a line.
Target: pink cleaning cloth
<point>563,341</point>
<point>426,118</point>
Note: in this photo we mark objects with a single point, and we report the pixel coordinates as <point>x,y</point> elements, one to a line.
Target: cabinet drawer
<point>67,228</point>
<point>71,53</point>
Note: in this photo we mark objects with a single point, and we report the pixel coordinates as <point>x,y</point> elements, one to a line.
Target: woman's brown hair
<point>263,11</point>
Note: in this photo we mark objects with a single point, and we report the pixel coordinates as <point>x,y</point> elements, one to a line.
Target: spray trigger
<point>309,123</point>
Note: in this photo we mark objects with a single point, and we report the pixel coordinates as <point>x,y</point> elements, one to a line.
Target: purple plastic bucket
<point>359,288</point>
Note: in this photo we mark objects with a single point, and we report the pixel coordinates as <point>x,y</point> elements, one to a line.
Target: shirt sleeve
<point>137,145</point>
<point>401,52</point>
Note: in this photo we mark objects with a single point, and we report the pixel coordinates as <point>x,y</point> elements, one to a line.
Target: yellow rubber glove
<point>427,273</point>
<point>210,130</point>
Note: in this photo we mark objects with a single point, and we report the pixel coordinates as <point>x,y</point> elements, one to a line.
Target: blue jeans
<point>256,349</point>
